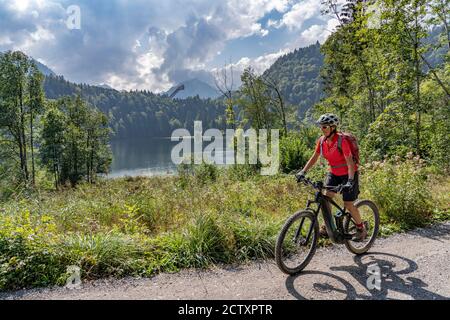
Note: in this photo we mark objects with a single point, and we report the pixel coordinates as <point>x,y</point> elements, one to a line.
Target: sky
<point>155,44</point>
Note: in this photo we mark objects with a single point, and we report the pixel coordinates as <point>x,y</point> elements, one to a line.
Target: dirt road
<point>414,265</point>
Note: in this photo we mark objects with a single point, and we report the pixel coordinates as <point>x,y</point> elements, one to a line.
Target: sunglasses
<point>325,127</point>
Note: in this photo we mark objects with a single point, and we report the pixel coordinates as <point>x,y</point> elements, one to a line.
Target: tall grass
<point>141,226</point>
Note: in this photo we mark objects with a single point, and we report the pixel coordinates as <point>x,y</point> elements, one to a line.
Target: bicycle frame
<point>333,224</point>
<point>341,228</point>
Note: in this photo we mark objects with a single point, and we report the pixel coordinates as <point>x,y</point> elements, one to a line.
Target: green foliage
<point>298,77</point>
<point>400,190</point>
<point>200,174</point>
<point>242,172</point>
<point>139,226</point>
<point>27,252</point>
<point>255,238</point>
<point>294,152</point>
<point>204,243</point>
<point>68,136</point>
<point>256,103</point>
<point>22,266</point>
<point>389,85</point>
<point>21,101</point>
<point>75,141</point>
<point>101,254</point>
<point>205,173</point>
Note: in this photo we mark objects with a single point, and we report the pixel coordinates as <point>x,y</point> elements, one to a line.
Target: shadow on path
<point>390,275</point>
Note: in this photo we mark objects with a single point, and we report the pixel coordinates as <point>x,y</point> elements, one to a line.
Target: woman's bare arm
<point>312,161</point>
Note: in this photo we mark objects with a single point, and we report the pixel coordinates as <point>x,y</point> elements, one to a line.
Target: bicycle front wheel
<point>371,218</point>
<point>297,242</point>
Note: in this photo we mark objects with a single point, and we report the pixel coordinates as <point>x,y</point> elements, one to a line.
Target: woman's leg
<point>353,211</point>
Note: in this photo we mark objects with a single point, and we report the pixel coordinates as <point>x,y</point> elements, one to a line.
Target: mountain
<point>145,114</point>
<point>297,75</point>
<point>44,69</point>
<point>192,88</point>
<point>141,114</point>
<point>104,86</point>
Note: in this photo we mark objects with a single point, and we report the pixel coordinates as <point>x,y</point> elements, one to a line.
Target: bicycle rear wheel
<point>371,218</point>
<point>297,242</point>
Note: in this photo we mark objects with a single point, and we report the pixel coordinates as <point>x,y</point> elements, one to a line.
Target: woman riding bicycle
<point>343,169</point>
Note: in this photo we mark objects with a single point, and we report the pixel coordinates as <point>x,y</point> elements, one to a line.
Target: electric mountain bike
<point>297,241</point>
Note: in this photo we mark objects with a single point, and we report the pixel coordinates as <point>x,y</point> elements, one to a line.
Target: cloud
<point>316,32</point>
<point>272,23</point>
<point>142,44</point>
<point>192,45</point>
<point>189,46</point>
<point>300,13</point>
<point>21,22</point>
<point>258,64</point>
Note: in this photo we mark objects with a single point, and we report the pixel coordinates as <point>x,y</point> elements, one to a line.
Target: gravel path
<point>414,265</point>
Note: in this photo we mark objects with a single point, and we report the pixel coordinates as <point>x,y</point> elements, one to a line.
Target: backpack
<point>353,147</point>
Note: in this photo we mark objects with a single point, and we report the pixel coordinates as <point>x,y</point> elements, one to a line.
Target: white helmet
<point>328,118</point>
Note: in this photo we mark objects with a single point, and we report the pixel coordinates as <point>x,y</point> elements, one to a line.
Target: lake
<point>145,157</point>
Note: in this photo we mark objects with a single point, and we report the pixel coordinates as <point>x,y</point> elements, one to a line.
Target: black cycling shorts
<point>347,195</point>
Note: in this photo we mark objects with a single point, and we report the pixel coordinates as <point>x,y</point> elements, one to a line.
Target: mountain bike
<point>297,241</point>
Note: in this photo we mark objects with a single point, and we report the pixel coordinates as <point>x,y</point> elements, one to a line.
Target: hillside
<point>298,73</point>
<point>298,76</point>
<point>145,114</point>
<point>141,113</point>
<point>46,71</point>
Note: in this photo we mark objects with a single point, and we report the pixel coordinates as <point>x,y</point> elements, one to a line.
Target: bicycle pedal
<point>348,236</point>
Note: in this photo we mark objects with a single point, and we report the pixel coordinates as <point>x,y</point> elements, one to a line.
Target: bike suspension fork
<point>311,228</point>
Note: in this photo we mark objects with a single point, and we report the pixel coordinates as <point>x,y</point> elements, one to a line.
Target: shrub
<point>24,266</point>
<point>200,174</point>
<point>205,173</point>
<point>400,190</point>
<point>242,172</point>
<point>185,173</point>
<point>27,251</point>
<point>294,153</point>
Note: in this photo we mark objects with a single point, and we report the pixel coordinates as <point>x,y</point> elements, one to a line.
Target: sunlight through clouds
<point>145,44</point>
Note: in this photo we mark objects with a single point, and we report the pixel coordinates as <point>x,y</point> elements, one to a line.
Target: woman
<point>343,169</point>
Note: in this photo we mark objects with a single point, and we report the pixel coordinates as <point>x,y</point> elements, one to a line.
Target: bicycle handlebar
<point>318,185</point>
